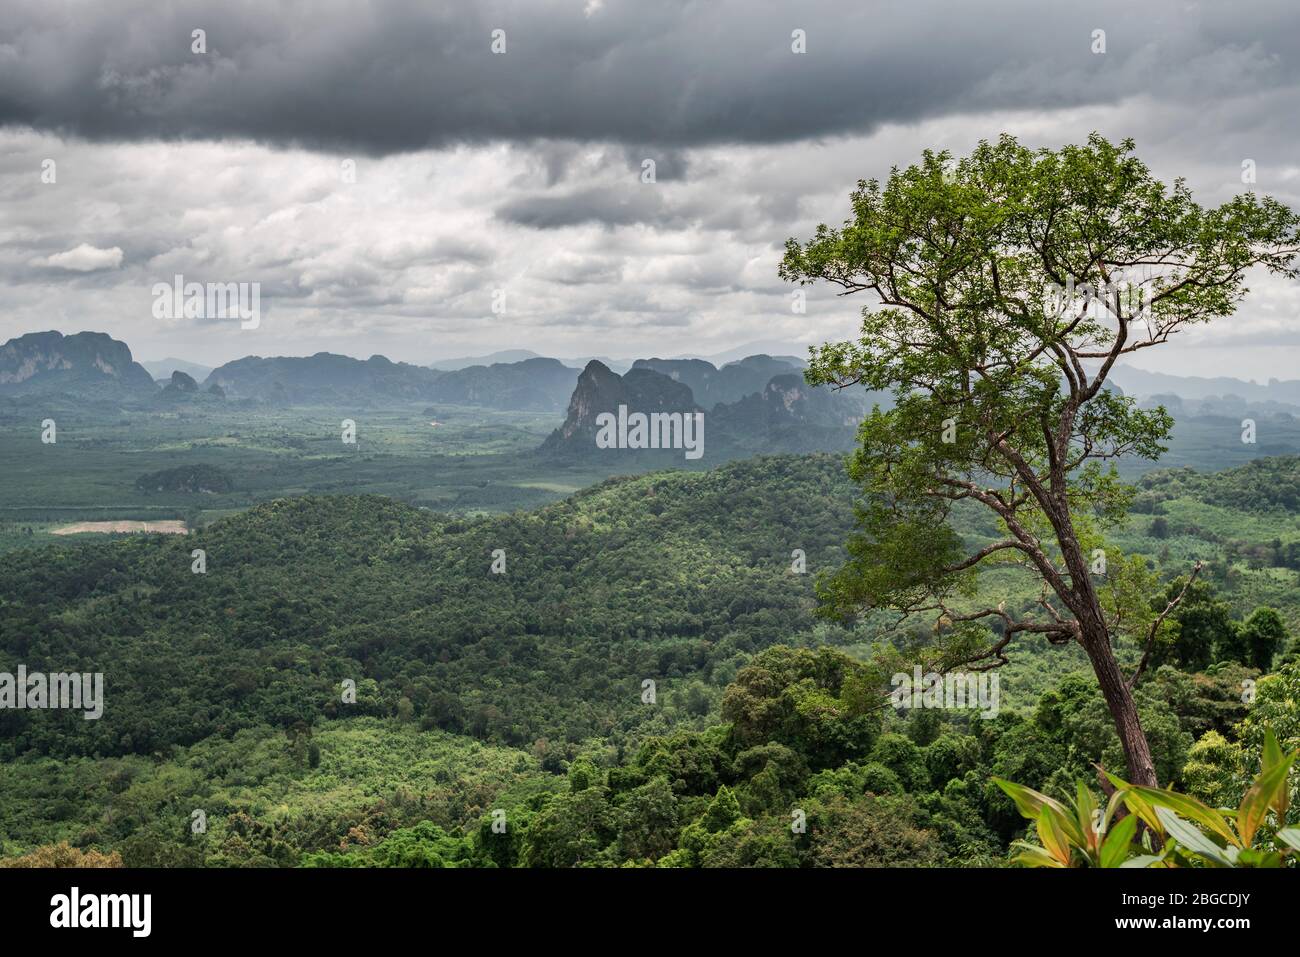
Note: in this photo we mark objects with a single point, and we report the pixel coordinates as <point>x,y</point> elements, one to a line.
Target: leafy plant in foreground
<point>1187,832</point>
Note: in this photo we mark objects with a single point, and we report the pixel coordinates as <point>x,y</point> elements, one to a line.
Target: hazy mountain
<point>182,389</point>
<point>1139,382</point>
<point>601,390</point>
<point>790,351</point>
<point>86,363</point>
<point>789,415</point>
<point>533,385</point>
<point>181,384</point>
<point>509,356</point>
<point>614,365</point>
<point>163,368</point>
<point>732,382</point>
<point>504,356</point>
<point>324,377</point>
<point>784,414</point>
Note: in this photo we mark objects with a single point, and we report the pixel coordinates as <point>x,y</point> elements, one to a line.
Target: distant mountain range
<point>533,385</point>
<point>753,401</point>
<point>162,369</point>
<point>761,405</point>
<point>323,377</point>
<point>1139,382</point>
<point>786,351</point>
<point>511,356</point>
<point>731,383</point>
<point>91,364</point>
<point>505,355</point>
<point>94,364</point>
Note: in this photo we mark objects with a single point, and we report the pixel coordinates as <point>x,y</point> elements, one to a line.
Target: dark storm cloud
<point>394,76</point>
<point>607,206</point>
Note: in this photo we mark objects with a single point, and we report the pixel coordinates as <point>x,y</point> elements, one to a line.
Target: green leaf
<point>1116,846</point>
<point>1053,836</point>
<point>1191,839</point>
<point>1189,808</point>
<point>1031,855</point>
<point>1254,806</point>
<point>1259,857</point>
<point>1112,806</point>
<point>1290,836</point>
<point>1030,803</point>
<point>1137,805</point>
<point>1272,750</point>
<point>1084,805</point>
<point>1272,758</point>
<point>1143,860</point>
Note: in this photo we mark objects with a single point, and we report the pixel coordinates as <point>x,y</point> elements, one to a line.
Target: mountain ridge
<point>785,414</point>
<point>89,363</point>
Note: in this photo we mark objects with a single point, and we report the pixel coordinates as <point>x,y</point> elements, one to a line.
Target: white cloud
<point>86,258</point>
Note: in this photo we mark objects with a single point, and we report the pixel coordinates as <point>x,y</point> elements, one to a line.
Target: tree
<point>1008,285</point>
<point>872,831</point>
<point>723,811</point>
<point>1262,636</point>
<point>648,824</point>
<point>571,830</point>
<point>1203,627</point>
<point>805,700</point>
<point>63,855</point>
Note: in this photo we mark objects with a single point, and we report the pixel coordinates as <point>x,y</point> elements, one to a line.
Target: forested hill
<point>669,576</point>
<point>474,690</point>
<point>673,576</point>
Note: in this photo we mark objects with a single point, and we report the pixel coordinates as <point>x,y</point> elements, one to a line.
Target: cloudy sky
<point>521,171</point>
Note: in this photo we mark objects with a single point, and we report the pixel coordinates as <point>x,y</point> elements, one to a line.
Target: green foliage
<point>1204,627</point>
<point>1260,637</point>
<point>402,601</point>
<point>217,687</point>
<point>1193,834</point>
<point>1276,709</point>
<point>872,831</point>
<point>1000,393</point>
<point>571,830</point>
<point>1081,833</point>
<point>902,757</point>
<point>200,478</point>
<point>425,845</point>
<point>1213,770</point>
<point>1181,830</point>
<point>803,699</point>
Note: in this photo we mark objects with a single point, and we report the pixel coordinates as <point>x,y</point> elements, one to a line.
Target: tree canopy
<point>1007,284</point>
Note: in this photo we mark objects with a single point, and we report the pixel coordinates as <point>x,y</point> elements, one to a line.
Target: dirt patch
<point>169,527</point>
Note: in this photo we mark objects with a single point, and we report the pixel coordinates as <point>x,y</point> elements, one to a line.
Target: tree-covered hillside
<point>224,691</point>
<point>672,576</point>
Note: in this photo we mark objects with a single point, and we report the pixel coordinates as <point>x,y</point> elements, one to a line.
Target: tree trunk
<point>1123,709</point>
<point>1096,642</point>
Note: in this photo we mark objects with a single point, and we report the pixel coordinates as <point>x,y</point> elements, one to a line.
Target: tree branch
<point>1155,625</point>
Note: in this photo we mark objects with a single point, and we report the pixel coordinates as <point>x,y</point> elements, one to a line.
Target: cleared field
<point>172,527</point>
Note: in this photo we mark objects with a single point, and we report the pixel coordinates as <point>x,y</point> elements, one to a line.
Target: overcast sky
<point>521,171</point>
